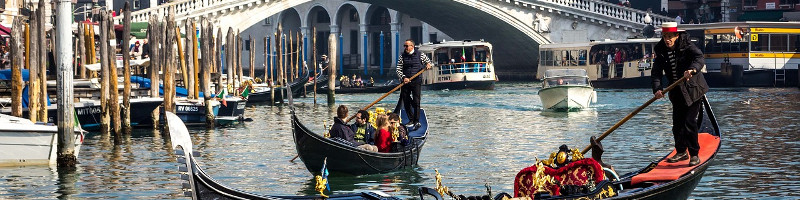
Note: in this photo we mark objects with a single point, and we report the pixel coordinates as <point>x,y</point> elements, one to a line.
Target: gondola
<point>200,185</point>
<point>383,88</point>
<point>344,158</point>
<point>266,95</point>
<point>658,180</point>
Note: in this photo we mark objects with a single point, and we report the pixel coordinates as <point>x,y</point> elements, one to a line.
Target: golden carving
<point>440,188</point>
<point>320,187</point>
<point>576,155</point>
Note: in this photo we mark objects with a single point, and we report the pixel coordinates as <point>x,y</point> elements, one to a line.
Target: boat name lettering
<point>188,109</point>
<point>486,76</point>
<point>444,78</point>
<point>88,111</point>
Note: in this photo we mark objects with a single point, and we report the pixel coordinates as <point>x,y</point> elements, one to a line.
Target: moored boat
<point>570,176</point>
<point>459,65</point>
<point>381,88</point>
<point>24,143</point>
<point>200,185</point>
<point>566,90</point>
<point>193,111</point>
<point>313,149</point>
<point>89,113</point>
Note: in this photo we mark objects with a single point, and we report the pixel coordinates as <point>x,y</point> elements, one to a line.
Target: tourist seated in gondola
<point>402,131</point>
<point>340,131</point>
<point>383,138</point>
<point>364,132</point>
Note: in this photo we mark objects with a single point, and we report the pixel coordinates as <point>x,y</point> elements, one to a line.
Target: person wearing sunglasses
<point>677,57</point>
<point>411,62</point>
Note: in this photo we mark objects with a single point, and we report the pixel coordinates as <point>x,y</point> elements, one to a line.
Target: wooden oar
<point>376,101</point>
<point>387,94</point>
<point>640,108</point>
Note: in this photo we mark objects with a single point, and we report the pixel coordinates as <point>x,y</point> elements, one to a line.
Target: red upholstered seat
<point>579,172</point>
<point>665,171</point>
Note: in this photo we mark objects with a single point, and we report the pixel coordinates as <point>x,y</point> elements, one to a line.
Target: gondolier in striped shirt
<point>409,63</point>
<point>676,57</point>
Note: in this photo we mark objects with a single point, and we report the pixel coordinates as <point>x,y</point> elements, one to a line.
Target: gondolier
<point>677,56</point>
<point>409,63</point>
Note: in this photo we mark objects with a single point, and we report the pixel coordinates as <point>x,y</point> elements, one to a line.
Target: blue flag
<point>324,173</point>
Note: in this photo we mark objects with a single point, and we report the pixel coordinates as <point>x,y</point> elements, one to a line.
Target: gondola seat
<point>579,173</point>
<point>665,171</point>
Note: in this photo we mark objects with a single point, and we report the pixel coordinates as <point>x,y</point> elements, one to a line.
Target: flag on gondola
<point>246,91</point>
<point>221,95</point>
<point>324,173</point>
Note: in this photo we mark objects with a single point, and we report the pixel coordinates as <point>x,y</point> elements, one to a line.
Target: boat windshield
<point>566,80</point>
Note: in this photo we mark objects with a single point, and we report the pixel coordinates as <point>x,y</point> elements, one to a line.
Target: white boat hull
<point>25,143</point>
<point>566,97</point>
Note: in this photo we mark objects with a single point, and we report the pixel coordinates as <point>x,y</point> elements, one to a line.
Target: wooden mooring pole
<point>314,58</point>
<point>332,58</point>
<point>113,101</point>
<point>42,39</point>
<point>33,67</point>
<point>189,52</point>
<point>196,61</point>
<point>104,75</point>
<point>170,66</point>
<point>208,39</point>
<point>66,158</point>
<point>154,38</point>
<point>126,64</point>
<point>17,61</point>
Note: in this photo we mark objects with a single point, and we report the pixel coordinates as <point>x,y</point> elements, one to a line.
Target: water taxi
<point>459,65</point>
<point>609,63</point>
<point>566,90</point>
<point>749,54</point>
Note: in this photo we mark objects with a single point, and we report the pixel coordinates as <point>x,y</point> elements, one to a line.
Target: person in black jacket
<point>340,129</point>
<point>677,57</point>
<point>409,63</point>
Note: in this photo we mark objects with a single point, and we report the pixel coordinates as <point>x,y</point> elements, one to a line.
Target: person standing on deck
<point>677,56</point>
<point>410,63</point>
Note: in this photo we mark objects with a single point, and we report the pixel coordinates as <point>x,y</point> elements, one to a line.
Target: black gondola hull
<point>313,149</point>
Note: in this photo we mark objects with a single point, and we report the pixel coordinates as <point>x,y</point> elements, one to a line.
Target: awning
<point>5,31</point>
<point>762,15</point>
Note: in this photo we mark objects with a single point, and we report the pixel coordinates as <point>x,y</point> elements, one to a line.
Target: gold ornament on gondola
<point>327,130</point>
<point>320,186</point>
<point>440,188</point>
<point>541,180</point>
<point>561,157</point>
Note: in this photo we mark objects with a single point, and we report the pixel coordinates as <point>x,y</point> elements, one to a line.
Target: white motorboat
<point>24,143</point>
<point>566,90</point>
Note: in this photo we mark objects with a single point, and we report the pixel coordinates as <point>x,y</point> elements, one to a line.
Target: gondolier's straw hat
<point>670,27</point>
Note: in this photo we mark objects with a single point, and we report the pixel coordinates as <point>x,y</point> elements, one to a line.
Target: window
<point>778,42</point>
<point>247,45</point>
<point>794,43</point>
<point>762,44</point>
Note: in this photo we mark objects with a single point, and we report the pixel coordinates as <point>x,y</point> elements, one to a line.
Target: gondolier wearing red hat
<point>677,56</point>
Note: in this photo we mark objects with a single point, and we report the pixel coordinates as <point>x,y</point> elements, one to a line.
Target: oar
<point>376,101</point>
<point>640,108</point>
<point>387,94</point>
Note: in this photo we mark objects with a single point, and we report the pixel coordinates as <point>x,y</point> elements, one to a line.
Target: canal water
<point>476,138</point>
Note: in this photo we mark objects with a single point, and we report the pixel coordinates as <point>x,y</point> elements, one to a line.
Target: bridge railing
<point>182,7</point>
<point>605,9</point>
